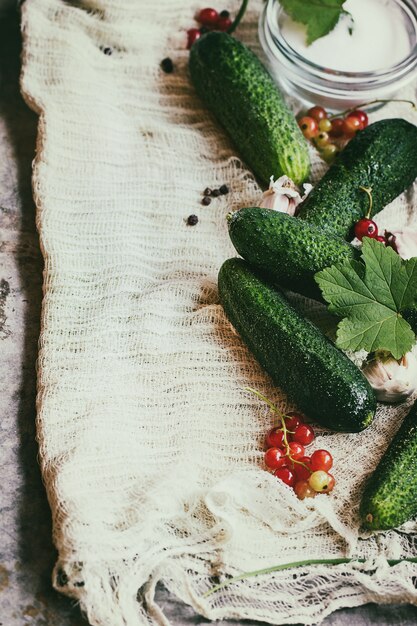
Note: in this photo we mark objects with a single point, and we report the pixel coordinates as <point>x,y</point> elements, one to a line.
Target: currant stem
<point>368,104</point>
<point>368,191</point>
<point>278,568</point>
<point>238,17</point>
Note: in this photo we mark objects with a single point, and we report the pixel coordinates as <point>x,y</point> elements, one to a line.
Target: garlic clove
<point>393,381</point>
<point>283,195</point>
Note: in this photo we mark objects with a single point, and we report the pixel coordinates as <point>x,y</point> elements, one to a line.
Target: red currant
<point>366,228</point>
<point>317,113</point>
<point>286,475</point>
<point>223,24</point>
<point>304,434</point>
<point>331,483</point>
<point>208,17</point>
<point>274,438</point>
<point>320,481</point>
<point>381,239</point>
<point>293,420</point>
<point>361,116</point>
<point>274,458</point>
<point>337,128</point>
<point>301,472</point>
<point>303,490</point>
<point>309,127</point>
<point>351,125</point>
<point>296,450</point>
<point>321,460</point>
<point>192,34</point>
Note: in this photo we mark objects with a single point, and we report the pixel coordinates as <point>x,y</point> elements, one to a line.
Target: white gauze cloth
<point>151,450</point>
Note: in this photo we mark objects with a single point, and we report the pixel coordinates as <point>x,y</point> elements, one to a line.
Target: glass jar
<point>333,89</point>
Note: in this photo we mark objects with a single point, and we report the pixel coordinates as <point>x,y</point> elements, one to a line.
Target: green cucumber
<point>390,496</point>
<point>289,250</point>
<point>318,377</point>
<point>382,157</point>
<point>236,87</point>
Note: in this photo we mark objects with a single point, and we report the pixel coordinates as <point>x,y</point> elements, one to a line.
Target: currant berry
<point>337,128</point>
<point>293,420</point>
<point>303,434</point>
<point>319,481</point>
<point>223,24</point>
<point>321,460</point>
<point>350,126</point>
<point>317,113</point>
<point>366,228</point>
<point>302,472</point>
<point>329,152</point>
<point>331,483</point>
<point>296,450</point>
<point>286,475</point>
<point>303,490</point>
<point>275,458</point>
<point>208,17</point>
<point>381,239</point>
<point>274,438</point>
<point>192,35</point>
<point>322,140</point>
<point>361,116</point>
<point>325,125</point>
<point>309,127</point>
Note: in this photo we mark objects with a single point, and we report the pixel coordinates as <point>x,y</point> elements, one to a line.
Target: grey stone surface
<point>26,551</point>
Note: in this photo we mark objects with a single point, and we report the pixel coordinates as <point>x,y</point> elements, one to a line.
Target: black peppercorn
<point>206,200</point>
<point>192,220</point>
<point>167,65</point>
<point>215,193</point>
<point>207,191</point>
<point>224,189</point>
<point>107,51</point>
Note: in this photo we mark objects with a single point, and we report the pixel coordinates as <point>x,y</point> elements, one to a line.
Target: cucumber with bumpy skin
<point>390,496</point>
<point>321,380</point>
<point>289,250</point>
<point>236,87</point>
<point>382,157</point>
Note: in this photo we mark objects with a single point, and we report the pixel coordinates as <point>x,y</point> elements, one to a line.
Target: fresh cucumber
<point>383,157</point>
<point>289,250</point>
<point>390,496</point>
<point>237,88</point>
<point>318,377</point>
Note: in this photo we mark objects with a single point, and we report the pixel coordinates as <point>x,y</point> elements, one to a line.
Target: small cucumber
<point>390,496</point>
<point>236,87</point>
<point>289,250</point>
<point>318,377</point>
<point>383,157</point>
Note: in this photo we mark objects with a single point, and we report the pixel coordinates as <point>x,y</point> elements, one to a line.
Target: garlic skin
<point>283,195</point>
<point>404,242</point>
<point>393,381</point>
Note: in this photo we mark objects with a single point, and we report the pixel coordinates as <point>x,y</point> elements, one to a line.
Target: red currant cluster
<point>329,133</point>
<point>210,19</point>
<point>286,456</point>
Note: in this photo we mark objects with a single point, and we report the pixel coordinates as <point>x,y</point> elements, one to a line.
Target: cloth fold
<point>151,450</point>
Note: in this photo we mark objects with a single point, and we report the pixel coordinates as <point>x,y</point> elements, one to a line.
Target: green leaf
<point>370,296</point>
<point>320,16</point>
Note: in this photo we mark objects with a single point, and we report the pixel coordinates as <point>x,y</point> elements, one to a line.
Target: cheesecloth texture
<point>151,449</point>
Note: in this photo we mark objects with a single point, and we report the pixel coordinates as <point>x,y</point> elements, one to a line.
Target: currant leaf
<point>370,295</point>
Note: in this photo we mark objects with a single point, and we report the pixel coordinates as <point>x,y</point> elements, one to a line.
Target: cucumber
<point>289,250</point>
<point>390,496</point>
<point>318,377</point>
<point>237,88</point>
<point>382,157</point>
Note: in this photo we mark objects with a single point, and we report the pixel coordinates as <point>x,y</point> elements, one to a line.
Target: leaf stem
<point>368,104</point>
<point>295,564</point>
<point>239,16</point>
<point>368,191</point>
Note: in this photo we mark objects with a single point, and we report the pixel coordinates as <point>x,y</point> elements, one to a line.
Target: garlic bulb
<point>283,195</point>
<point>403,241</point>
<point>393,381</point>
